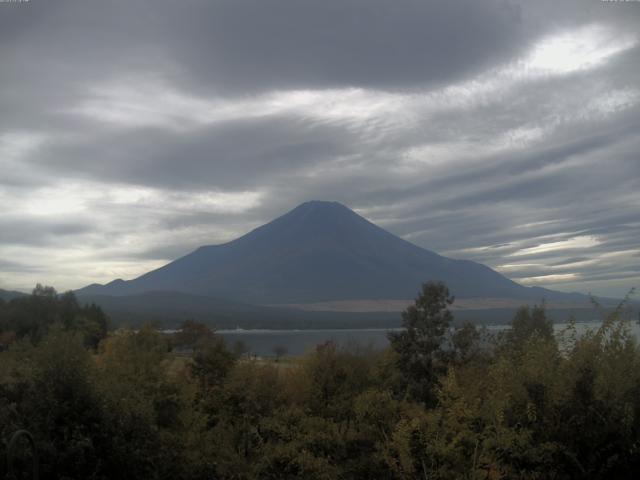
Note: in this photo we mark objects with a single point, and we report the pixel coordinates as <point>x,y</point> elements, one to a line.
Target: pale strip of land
<point>388,305</point>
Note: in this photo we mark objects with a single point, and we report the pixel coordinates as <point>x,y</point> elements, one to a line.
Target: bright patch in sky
<point>51,202</point>
<point>74,198</point>
<point>518,266</point>
<point>584,241</point>
<point>16,145</point>
<point>581,49</point>
<point>150,102</point>
<point>548,278</point>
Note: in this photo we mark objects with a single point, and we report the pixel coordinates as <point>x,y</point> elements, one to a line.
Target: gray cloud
<point>249,45</point>
<point>39,232</point>
<point>495,130</point>
<point>236,154</point>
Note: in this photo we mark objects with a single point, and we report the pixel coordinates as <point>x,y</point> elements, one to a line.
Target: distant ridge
<point>321,252</point>
<point>7,295</point>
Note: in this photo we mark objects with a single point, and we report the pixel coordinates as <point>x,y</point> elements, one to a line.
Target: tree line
<point>439,403</point>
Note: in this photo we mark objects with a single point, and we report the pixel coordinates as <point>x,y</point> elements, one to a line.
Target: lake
<point>298,342</point>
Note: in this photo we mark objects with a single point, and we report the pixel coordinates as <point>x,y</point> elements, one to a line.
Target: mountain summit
<point>318,252</point>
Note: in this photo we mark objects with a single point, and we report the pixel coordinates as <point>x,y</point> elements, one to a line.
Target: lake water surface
<point>298,342</point>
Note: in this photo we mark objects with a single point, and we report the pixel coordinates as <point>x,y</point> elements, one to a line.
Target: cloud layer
<point>501,131</point>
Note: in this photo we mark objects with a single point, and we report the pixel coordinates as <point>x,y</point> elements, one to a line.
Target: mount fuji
<point>321,252</point>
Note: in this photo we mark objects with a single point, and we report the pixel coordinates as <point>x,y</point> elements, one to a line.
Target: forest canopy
<point>439,403</point>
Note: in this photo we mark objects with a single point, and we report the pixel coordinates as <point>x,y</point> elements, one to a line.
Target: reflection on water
<point>298,342</point>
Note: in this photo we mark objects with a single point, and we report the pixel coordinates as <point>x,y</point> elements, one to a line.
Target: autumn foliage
<point>439,403</point>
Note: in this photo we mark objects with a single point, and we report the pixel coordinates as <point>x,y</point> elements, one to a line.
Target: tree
<point>280,351</point>
<point>418,346</point>
<point>211,363</point>
<point>240,349</point>
<point>192,335</point>
<point>142,405</point>
<point>92,322</point>
<point>466,343</point>
<point>528,322</point>
<point>48,390</point>
<point>33,316</point>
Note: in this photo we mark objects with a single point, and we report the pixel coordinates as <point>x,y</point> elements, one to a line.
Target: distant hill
<point>9,295</point>
<point>321,252</point>
<point>170,308</point>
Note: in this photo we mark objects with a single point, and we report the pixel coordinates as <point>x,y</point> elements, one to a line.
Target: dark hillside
<point>317,252</point>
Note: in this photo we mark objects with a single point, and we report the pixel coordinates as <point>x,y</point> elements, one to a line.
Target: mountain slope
<point>319,251</point>
<point>9,294</point>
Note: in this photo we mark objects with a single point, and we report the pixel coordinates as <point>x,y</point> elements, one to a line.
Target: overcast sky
<point>501,131</point>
